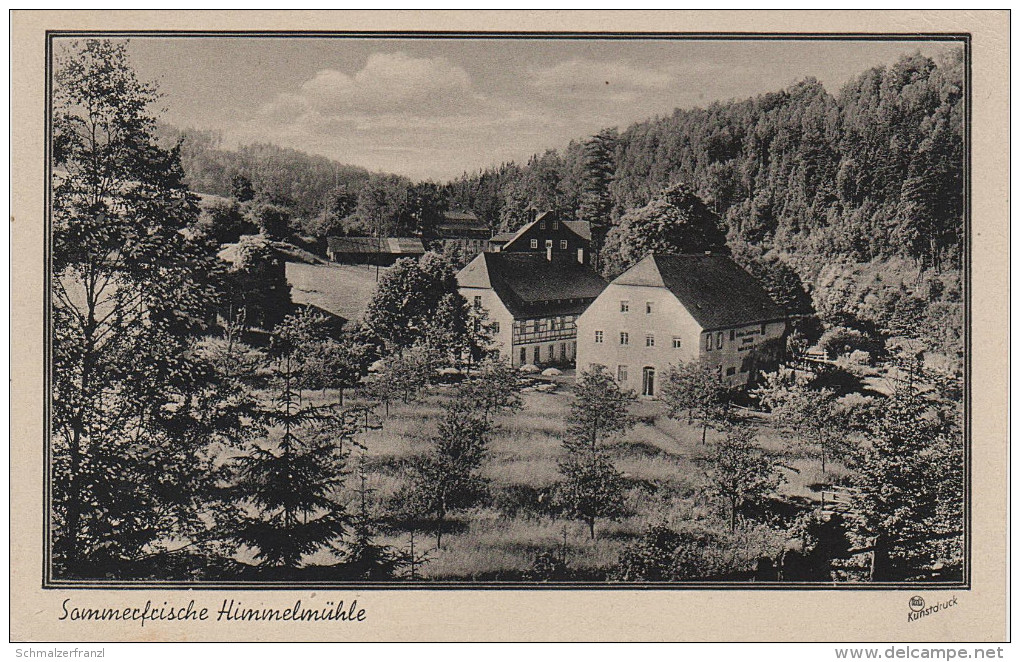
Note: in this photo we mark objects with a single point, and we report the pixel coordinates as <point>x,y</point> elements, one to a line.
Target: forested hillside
<point>860,194</point>
<point>866,182</point>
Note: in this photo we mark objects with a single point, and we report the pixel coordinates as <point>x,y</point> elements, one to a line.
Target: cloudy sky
<point>434,108</point>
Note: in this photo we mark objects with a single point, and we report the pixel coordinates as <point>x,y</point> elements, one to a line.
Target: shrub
<point>840,340</point>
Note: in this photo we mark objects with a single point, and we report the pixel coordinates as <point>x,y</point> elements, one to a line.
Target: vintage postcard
<point>509,326</point>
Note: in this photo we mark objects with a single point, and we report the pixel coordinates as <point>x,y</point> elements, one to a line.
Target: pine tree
<point>289,482</point>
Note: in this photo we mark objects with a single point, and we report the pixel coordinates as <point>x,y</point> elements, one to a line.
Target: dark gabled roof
<point>714,289</point>
<point>529,283</point>
<point>388,245</point>
<point>581,228</point>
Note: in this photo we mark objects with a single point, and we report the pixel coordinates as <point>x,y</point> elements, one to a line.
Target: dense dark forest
<point>860,193</point>
<point>854,198</point>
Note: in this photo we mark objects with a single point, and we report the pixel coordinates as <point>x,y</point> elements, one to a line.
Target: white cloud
<point>388,83</point>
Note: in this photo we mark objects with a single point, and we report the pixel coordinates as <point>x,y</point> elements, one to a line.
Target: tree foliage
<point>135,410</point>
<point>696,388</point>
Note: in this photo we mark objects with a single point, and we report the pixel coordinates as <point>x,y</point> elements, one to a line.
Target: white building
<point>671,308</point>
<point>532,301</point>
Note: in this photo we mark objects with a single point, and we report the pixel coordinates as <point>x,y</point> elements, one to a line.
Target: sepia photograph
<point>451,310</point>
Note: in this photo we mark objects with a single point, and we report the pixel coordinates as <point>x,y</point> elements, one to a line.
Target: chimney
<point>580,255</point>
<point>548,253</point>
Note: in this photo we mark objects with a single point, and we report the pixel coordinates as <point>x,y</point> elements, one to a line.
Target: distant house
<point>461,229</point>
<point>671,308</point>
<point>548,233</point>
<point>532,301</point>
<point>371,250</point>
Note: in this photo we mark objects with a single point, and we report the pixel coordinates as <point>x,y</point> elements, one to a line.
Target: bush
<point>840,340</point>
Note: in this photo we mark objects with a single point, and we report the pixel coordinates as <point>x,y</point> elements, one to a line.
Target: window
<point>625,306</point>
<point>624,338</point>
<point>495,327</point>
<point>621,373</point>
<point>534,243</point>
<point>730,372</point>
<point>478,302</point>
<point>556,224</point>
<point>733,335</point>
<point>718,339</point>
<point>763,329</point>
<point>552,352</point>
<point>598,337</point>
<point>676,342</point>
<point>563,351</point>
<point>538,354</point>
<point>563,244</point>
<point>648,307</point>
<point>708,342</point>
<point>524,355</point>
<point>548,243</point>
<point>649,340</point>
<point>541,225</point>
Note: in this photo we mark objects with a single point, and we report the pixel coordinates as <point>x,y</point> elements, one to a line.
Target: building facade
<point>532,302</point>
<point>681,308</point>
<point>547,232</point>
<point>371,250</point>
<point>463,230</point>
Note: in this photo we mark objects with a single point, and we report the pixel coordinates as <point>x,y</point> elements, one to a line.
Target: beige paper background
<point>541,615</point>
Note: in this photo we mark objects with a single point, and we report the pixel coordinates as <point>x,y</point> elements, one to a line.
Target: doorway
<point>648,382</point>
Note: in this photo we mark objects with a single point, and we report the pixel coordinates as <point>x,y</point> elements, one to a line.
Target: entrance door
<point>648,382</point>
<point>524,355</point>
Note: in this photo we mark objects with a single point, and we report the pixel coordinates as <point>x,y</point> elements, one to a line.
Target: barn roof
<point>389,245</point>
<point>714,289</point>
<point>528,282</point>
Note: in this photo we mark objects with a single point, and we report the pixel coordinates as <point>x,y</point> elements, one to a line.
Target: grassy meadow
<point>500,539</point>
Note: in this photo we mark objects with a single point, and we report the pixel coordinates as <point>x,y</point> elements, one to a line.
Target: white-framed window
<point>718,339</point>
<point>625,306</point>
<point>598,337</point>
<point>621,373</point>
<point>624,338</point>
<point>534,243</point>
<point>478,302</point>
<point>708,342</point>
<point>563,244</point>
<point>677,343</point>
<point>495,327</point>
<point>649,340</point>
<point>541,225</point>
<point>548,243</point>
<point>648,307</point>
